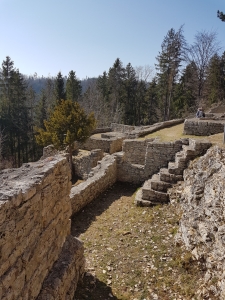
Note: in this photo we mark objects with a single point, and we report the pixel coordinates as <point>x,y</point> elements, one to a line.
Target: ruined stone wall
<point>153,156</point>
<point>110,145</point>
<point>202,226</point>
<point>159,154</point>
<point>135,150</point>
<point>203,127</point>
<point>84,161</point>
<point>35,213</point>
<point>132,132</point>
<point>102,176</point>
<point>121,127</point>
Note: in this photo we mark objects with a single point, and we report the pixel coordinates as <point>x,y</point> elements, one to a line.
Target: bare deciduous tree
<point>200,53</point>
<point>144,73</point>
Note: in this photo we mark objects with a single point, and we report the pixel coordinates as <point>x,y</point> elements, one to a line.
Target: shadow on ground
<point>82,220</point>
<point>93,289</point>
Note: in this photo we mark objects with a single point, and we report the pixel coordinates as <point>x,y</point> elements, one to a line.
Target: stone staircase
<point>154,190</point>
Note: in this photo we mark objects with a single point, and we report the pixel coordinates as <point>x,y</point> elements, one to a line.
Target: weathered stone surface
<point>155,189</point>
<point>141,159</point>
<point>138,131</point>
<point>202,225</point>
<point>35,213</point>
<point>203,126</point>
<point>85,160</point>
<point>103,176</point>
<point>62,281</point>
<point>108,145</point>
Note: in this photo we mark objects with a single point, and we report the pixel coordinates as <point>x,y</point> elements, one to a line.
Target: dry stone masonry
<point>35,232</point>
<point>140,159</point>
<point>154,190</point>
<point>102,177</point>
<point>84,161</point>
<point>41,260</point>
<point>204,126</point>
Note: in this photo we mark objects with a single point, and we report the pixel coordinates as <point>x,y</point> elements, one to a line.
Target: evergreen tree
<point>215,79</point>
<point>152,103</point>
<point>73,87</point>
<point>141,103</point>
<point>169,62</point>
<point>103,86</point>
<point>185,92</point>
<point>129,96</point>
<point>41,110</point>
<point>68,123</point>
<point>60,93</point>
<point>221,15</point>
<point>116,77</point>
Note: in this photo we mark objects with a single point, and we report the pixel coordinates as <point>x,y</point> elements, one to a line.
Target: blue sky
<point>48,36</point>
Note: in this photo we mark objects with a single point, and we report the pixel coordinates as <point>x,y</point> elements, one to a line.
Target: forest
<point>184,77</point>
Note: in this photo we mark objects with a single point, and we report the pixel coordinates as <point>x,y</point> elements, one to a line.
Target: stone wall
<point>141,159</point>
<point>135,150</point>
<point>102,176</point>
<point>132,132</point>
<point>108,145</point>
<point>34,227</point>
<point>159,154</point>
<point>203,126</point>
<point>84,161</point>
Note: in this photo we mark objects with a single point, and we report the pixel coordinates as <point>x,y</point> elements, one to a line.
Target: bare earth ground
<point>130,251</point>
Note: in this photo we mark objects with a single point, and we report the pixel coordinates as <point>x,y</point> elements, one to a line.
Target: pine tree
<point>129,96</point>
<point>116,77</point>
<point>185,92</point>
<point>152,103</point>
<point>169,62</point>
<point>73,87</point>
<point>221,15</point>
<point>68,123</point>
<point>141,103</point>
<point>60,93</point>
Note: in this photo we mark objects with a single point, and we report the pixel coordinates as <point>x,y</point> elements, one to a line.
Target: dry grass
<point>176,132</point>
<point>130,251</point>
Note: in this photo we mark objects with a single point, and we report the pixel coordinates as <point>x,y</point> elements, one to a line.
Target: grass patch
<point>130,251</point>
<point>176,132</point>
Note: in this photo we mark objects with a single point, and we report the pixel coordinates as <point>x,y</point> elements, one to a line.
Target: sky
<point>87,36</point>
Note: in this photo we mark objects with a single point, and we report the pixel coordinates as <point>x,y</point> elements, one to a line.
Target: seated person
<point>200,113</point>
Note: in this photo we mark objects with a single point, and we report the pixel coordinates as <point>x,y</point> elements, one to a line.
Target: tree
<point>129,96</point>
<point>215,79</point>
<point>116,77</point>
<point>221,15</point>
<point>14,117</point>
<point>73,87</point>
<point>68,123</point>
<point>169,62</point>
<point>152,105</point>
<point>60,93</point>
<point>203,49</point>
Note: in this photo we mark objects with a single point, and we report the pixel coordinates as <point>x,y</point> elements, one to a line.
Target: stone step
<point>154,196</point>
<point>156,184</point>
<point>173,168</point>
<point>189,152</point>
<point>139,201</point>
<point>168,177</point>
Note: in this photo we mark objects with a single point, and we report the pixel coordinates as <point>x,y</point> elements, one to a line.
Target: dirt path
<point>130,251</point>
